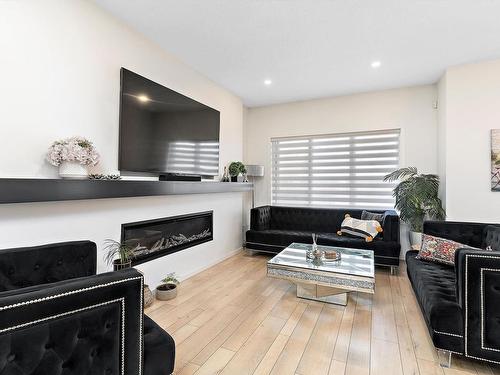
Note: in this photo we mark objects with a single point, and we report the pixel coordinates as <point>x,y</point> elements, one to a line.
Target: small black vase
<point>234,178</point>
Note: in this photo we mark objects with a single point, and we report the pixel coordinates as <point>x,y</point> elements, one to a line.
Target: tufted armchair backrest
<point>30,266</point>
<point>478,235</point>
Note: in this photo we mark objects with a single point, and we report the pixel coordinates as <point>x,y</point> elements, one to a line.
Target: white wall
<point>441,139</point>
<point>60,76</point>
<point>472,109</point>
<point>410,109</point>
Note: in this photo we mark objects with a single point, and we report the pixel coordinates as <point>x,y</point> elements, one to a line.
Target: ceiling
<point>317,48</point>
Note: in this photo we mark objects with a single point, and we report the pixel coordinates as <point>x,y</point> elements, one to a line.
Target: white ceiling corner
<point>317,48</point>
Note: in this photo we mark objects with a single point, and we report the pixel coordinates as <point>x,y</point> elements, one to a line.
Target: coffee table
<point>325,281</point>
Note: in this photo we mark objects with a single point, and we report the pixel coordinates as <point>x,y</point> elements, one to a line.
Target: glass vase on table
<point>314,252</point>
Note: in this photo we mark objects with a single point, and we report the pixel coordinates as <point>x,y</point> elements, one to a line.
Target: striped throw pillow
<point>367,229</point>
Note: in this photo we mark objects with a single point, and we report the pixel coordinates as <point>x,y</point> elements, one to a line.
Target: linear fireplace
<point>152,239</point>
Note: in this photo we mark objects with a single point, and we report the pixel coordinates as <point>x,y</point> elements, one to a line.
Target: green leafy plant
<point>237,167</point>
<point>117,251</point>
<point>416,197</point>
<point>170,279</point>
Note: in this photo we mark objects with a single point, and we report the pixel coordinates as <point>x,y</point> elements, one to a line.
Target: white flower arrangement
<point>74,149</point>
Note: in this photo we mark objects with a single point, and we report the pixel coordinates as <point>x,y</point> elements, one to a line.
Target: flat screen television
<point>163,132</point>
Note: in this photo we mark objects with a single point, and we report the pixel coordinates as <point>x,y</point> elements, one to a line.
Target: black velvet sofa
<point>272,228</point>
<point>460,304</point>
<point>58,317</point>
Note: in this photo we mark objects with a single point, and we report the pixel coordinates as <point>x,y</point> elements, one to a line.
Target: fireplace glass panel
<point>155,238</point>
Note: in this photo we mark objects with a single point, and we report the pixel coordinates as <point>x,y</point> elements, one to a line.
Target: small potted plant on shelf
<point>118,254</point>
<point>168,289</point>
<point>72,156</point>
<point>235,168</point>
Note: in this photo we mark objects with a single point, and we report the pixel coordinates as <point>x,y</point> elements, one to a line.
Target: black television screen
<point>162,131</point>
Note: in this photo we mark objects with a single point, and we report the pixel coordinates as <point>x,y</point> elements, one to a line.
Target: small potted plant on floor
<point>118,254</point>
<point>168,289</point>
<point>235,168</point>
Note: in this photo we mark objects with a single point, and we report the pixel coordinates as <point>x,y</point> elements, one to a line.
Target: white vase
<point>72,170</point>
<point>415,238</point>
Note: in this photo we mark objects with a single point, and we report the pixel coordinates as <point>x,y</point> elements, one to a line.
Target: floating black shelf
<point>24,190</point>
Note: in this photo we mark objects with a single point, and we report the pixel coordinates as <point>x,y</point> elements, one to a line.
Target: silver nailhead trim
<point>467,256</point>
<point>447,334</point>
<point>71,292</point>
<point>86,308</point>
<point>141,320</point>
<point>482,308</point>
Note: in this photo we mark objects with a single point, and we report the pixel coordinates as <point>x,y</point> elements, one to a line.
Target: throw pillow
<point>439,250</point>
<point>367,215</point>
<point>367,229</point>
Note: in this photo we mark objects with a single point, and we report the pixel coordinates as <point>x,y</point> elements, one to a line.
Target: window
<point>337,170</point>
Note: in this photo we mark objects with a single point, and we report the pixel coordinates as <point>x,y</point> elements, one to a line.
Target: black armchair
<point>460,304</point>
<point>58,317</point>
<point>478,293</point>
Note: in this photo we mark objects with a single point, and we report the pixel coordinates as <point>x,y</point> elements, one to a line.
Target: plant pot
<point>118,265</point>
<point>415,238</point>
<point>165,292</point>
<point>148,296</point>
<point>234,178</point>
<point>72,170</point>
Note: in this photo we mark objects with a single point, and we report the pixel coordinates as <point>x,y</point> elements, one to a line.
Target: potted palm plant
<point>235,168</point>
<point>168,289</point>
<point>118,254</point>
<point>417,199</point>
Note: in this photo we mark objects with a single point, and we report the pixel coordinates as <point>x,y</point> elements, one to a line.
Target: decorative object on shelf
<point>111,177</point>
<point>148,296</point>
<point>235,169</point>
<point>168,289</point>
<point>416,199</point>
<point>252,172</point>
<point>72,156</point>
<point>118,254</point>
<point>495,160</point>
<point>225,176</point>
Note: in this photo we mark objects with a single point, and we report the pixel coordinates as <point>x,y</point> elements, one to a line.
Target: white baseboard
<point>211,264</point>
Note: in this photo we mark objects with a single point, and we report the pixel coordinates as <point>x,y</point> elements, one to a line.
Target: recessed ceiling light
<point>143,98</point>
<point>376,64</point>
<point>267,82</point>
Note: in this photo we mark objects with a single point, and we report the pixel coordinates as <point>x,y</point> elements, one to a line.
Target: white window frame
<point>342,170</point>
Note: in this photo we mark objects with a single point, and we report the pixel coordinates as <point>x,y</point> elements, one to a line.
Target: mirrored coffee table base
<point>324,281</point>
<point>322,294</point>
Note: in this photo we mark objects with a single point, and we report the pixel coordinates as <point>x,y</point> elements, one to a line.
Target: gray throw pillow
<point>367,215</point>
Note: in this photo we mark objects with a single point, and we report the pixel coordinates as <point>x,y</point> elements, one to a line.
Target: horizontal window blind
<point>338,170</point>
<point>197,158</point>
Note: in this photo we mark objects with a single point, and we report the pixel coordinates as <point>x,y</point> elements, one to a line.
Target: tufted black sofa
<point>460,304</point>
<point>58,317</point>
<point>272,228</point>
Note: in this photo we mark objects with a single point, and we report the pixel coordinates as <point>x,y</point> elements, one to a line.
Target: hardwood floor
<point>233,320</point>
